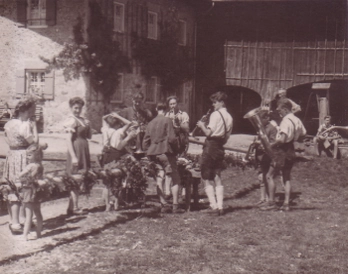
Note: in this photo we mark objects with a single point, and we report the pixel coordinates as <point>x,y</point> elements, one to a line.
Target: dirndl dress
<point>19,135</point>
<point>80,132</point>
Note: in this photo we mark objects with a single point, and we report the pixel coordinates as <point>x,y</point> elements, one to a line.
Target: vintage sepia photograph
<point>174,136</point>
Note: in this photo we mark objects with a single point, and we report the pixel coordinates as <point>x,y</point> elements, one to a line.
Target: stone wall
<point>21,49</point>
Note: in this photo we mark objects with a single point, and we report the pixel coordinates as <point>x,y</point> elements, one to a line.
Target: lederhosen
<point>213,155</point>
<point>110,153</point>
<point>284,157</point>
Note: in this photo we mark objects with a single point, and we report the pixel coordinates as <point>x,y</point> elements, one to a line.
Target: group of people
<point>161,138</point>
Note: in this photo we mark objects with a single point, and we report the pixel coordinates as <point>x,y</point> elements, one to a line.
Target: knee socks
<point>219,196</point>
<point>209,190</point>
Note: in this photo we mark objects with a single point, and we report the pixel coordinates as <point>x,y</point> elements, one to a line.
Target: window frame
<point>155,78</point>
<point>29,19</point>
<point>184,43</point>
<point>122,27</point>
<point>155,37</point>
<point>27,82</point>
<point>120,87</point>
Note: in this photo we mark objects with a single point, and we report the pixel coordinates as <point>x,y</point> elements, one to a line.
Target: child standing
<point>115,138</point>
<point>264,159</point>
<point>29,181</point>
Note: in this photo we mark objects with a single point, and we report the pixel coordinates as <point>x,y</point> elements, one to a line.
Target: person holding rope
<point>291,129</point>
<point>218,131</point>
<point>20,133</point>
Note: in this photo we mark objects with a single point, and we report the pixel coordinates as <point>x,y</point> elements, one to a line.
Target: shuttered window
<point>35,82</point>
<point>37,13</point>
<point>151,90</point>
<point>118,17</point>
<point>152,25</point>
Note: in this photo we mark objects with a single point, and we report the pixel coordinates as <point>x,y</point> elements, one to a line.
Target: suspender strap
<point>224,124</point>
<point>294,129</point>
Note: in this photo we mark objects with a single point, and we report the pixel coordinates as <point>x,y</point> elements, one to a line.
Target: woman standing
<point>20,133</point>
<point>78,158</point>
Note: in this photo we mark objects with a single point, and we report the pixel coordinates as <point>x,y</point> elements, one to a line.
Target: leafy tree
<point>99,57</point>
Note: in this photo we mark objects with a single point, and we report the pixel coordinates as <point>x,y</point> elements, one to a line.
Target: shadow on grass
<point>242,192</point>
<point>61,220</point>
<point>125,216</point>
<point>58,231</point>
<point>280,196</point>
<point>231,209</point>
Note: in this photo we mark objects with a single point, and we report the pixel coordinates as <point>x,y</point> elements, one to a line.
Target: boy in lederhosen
<point>218,131</point>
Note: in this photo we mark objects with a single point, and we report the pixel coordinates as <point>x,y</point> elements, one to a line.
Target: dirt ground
<point>311,238</point>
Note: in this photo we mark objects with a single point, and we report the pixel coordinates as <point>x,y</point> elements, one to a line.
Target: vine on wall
<point>164,57</point>
<point>99,57</point>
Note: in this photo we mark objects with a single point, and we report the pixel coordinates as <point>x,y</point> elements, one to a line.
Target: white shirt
<point>181,115</point>
<point>216,124</point>
<point>292,127</point>
<point>115,137</point>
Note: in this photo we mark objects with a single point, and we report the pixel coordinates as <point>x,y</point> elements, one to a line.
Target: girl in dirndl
<point>78,157</point>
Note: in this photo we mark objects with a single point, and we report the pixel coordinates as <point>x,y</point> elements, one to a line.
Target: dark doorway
<point>241,100</point>
<point>307,97</point>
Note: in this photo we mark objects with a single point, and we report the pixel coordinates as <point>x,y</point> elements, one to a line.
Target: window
<point>117,97</point>
<point>182,33</point>
<point>151,90</point>
<point>36,82</point>
<point>152,25</point>
<point>118,17</point>
<point>36,13</point>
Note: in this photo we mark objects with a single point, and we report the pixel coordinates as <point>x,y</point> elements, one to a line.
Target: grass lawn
<point>311,238</point>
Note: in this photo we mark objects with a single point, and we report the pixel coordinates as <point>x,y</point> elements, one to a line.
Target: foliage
<point>99,57</point>
<point>127,173</point>
<point>164,58</point>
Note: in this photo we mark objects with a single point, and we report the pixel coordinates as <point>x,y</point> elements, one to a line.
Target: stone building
<point>32,29</point>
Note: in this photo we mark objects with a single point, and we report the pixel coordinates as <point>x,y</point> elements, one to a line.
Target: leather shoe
<point>15,230</point>
<point>176,209</point>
